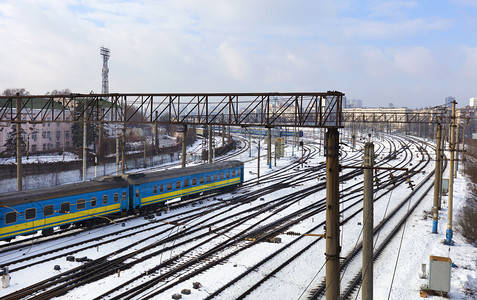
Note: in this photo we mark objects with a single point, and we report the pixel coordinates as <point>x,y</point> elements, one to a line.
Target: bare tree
<point>59,92</point>
<point>15,91</point>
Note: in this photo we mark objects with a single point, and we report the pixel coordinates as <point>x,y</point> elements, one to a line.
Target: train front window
<point>48,210</point>
<point>93,202</point>
<point>80,204</point>
<point>30,214</point>
<point>11,217</point>
<point>65,207</point>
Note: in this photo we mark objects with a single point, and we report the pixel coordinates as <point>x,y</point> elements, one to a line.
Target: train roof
<point>15,198</point>
<point>138,178</point>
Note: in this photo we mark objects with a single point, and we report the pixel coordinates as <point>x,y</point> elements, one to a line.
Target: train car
<point>29,211</point>
<point>83,203</point>
<point>152,189</point>
<point>264,131</point>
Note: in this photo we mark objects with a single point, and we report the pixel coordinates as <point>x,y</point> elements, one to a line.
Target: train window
<point>178,185</point>
<point>233,173</point>
<point>221,176</point>
<point>65,207</point>
<point>169,186</point>
<point>137,193</point>
<point>215,177</point>
<point>154,189</point>
<point>209,178</point>
<point>30,214</point>
<point>80,204</point>
<point>11,217</point>
<point>93,202</point>
<point>161,188</point>
<point>201,180</point>
<point>194,181</point>
<point>125,195</point>
<point>227,175</point>
<point>105,199</point>
<point>238,172</point>
<point>48,210</point>
<point>116,197</point>
<point>186,183</point>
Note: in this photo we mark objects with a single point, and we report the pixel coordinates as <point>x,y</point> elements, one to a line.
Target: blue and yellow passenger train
<point>84,203</point>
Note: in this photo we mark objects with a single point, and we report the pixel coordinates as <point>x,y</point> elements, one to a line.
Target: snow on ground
<point>418,243</point>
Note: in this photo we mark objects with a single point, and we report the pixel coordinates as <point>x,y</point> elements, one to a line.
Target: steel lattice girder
<point>309,109</point>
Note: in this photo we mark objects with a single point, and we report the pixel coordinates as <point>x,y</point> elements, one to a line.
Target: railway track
<point>207,249</point>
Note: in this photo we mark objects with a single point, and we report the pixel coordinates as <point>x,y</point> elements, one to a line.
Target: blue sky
<point>409,53</point>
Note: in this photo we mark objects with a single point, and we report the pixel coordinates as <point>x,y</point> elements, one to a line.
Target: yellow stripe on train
<point>58,220</point>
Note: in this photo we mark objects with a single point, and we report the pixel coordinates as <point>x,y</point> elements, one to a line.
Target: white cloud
<point>226,46</point>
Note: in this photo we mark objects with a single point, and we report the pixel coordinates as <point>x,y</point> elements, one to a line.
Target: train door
<point>124,200</point>
<point>137,196</point>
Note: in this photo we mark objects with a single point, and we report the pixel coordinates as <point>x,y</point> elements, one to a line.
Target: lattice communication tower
<point>105,53</point>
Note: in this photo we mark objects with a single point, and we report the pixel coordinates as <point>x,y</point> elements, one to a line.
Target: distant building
<point>44,137</point>
<point>449,100</point>
<point>353,103</point>
<point>473,102</point>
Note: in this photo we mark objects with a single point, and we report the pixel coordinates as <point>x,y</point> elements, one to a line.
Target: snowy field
<point>397,272</point>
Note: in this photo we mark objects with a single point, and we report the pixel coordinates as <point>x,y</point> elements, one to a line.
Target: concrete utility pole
<point>84,143</point>
<point>210,143</point>
<point>156,135</point>
<point>332,216</point>
<point>457,151</point>
<point>258,161</point>
<point>123,164</point>
<point>437,176</point>
<point>184,146</point>
<point>368,222</point>
<point>117,149</point>
<point>451,177</point>
<point>223,131</point>
<point>249,143</point>
<point>269,147</point>
<point>19,143</point>
<point>441,168</point>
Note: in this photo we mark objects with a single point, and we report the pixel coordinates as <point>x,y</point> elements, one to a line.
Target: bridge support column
<point>333,247</point>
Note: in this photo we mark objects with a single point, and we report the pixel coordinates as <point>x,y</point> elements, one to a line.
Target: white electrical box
<point>439,273</point>
<point>445,186</point>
